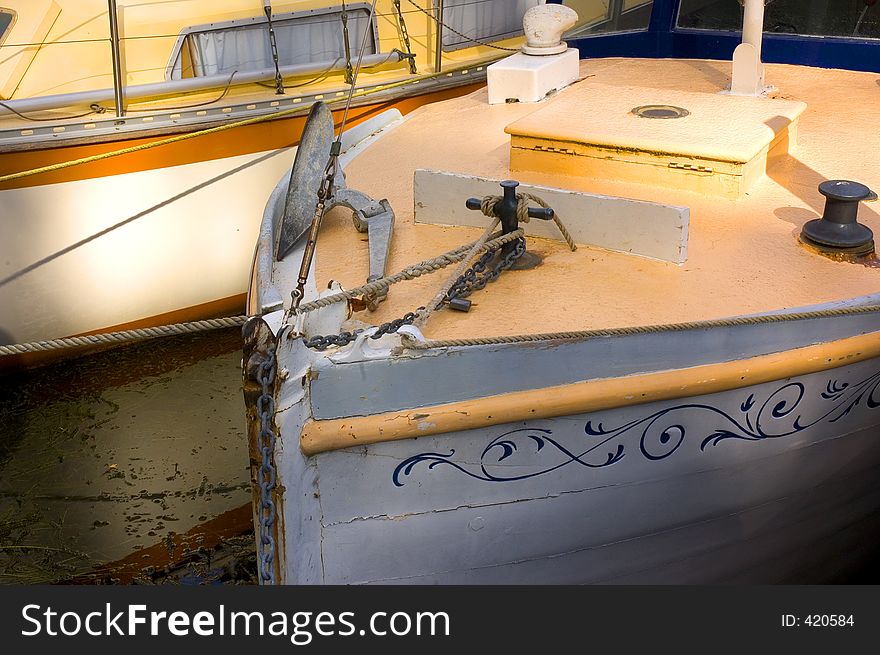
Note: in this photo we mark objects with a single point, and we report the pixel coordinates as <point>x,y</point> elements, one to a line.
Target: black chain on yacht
<point>473,279</point>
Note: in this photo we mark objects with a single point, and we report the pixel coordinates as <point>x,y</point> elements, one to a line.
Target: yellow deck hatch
<point>709,143</point>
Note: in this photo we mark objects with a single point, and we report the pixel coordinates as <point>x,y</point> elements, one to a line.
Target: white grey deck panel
<point>635,227</point>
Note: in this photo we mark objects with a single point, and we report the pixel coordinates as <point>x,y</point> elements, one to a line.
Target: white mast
<point>748,71</point>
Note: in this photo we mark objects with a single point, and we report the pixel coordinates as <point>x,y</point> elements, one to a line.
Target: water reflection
<point>120,453</point>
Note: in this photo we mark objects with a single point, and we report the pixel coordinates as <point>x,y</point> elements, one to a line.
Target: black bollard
<point>506,211</point>
<point>839,229</point>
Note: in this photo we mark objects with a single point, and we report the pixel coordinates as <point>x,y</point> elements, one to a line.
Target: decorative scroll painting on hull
<point>793,408</point>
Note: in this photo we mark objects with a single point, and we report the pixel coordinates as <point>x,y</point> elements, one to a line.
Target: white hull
<point>740,486</point>
<point>91,254</point>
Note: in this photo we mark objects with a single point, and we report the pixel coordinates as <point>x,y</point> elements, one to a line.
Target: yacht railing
<point>188,85</point>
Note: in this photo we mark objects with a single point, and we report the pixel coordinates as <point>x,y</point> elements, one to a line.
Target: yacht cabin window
<point>604,16</point>
<point>841,18</point>
<point>482,20</point>
<point>7,17</point>
<point>305,37</point>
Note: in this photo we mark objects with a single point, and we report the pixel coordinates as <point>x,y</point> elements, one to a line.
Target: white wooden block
<point>529,78</point>
<point>635,227</point>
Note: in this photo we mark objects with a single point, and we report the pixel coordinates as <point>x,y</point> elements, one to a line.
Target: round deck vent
<point>660,111</point>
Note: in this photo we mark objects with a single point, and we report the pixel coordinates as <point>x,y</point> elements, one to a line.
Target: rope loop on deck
<point>488,205</point>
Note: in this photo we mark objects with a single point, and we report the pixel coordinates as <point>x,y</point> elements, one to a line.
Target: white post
<point>748,71</point>
<point>753,24</point>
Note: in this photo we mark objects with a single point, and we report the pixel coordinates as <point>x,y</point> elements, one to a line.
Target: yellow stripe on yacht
<point>581,397</point>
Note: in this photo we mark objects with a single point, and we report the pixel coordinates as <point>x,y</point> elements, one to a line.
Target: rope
<point>42,120</point>
<point>562,229</point>
<point>646,329</point>
<point>220,128</point>
<point>145,146</point>
<point>142,110</point>
<point>488,204</point>
<point>126,336</point>
<point>409,273</point>
<point>423,315</point>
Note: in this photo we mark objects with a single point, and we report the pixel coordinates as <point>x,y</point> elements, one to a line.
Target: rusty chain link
<point>474,279</point>
<point>266,474</point>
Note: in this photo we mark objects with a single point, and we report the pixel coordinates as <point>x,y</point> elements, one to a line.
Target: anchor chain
<point>266,474</point>
<point>345,338</point>
<point>474,279</point>
<point>401,22</point>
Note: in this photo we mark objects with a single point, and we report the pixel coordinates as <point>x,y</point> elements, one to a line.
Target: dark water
<point>128,465</point>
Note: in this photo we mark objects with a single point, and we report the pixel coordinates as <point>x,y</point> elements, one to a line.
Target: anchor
<point>376,218</point>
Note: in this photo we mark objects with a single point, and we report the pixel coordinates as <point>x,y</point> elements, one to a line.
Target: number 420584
<point>818,620</point>
<point>830,620</point>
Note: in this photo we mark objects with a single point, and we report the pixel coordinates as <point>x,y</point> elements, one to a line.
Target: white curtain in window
<point>483,19</point>
<point>300,40</point>
<point>224,51</point>
<point>320,38</point>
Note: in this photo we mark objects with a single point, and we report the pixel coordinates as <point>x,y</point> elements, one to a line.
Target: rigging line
<point>40,120</point>
<point>37,44</point>
<point>455,31</point>
<point>860,20</point>
<point>320,77</point>
<point>193,106</point>
<point>345,42</point>
<point>357,71</point>
<point>391,14</point>
<point>273,45</point>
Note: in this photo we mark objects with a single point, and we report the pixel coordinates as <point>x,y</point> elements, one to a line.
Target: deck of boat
<point>744,255</point>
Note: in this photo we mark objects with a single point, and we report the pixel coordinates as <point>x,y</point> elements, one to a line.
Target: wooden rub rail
<point>580,397</point>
